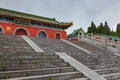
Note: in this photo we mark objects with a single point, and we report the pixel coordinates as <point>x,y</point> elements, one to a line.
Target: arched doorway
<point>1,31</point>
<point>42,34</point>
<point>58,36</point>
<point>20,32</point>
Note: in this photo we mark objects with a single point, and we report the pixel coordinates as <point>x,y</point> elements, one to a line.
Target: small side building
<point>77,35</point>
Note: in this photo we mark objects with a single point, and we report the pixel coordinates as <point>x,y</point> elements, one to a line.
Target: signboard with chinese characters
<point>21,22</point>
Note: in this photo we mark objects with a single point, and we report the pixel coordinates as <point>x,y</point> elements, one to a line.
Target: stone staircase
<point>37,68</point>
<point>13,44</point>
<point>103,63</point>
<point>19,63</point>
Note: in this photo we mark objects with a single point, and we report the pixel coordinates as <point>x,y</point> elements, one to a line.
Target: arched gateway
<point>42,34</point>
<point>58,36</point>
<point>21,32</point>
<point>1,31</point>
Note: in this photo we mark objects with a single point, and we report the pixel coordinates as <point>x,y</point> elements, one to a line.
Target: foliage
<point>4,68</point>
<point>101,29</point>
<point>7,76</point>
<point>106,29</point>
<point>113,33</point>
<point>92,28</point>
<point>118,29</point>
<point>20,61</point>
<point>52,78</point>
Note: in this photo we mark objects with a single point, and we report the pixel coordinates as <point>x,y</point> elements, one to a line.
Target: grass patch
<point>20,61</point>
<point>52,78</point>
<point>3,67</point>
<point>7,76</point>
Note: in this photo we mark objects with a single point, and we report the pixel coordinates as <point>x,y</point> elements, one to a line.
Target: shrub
<point>52,78</point>
<point>20,61</point>
<point>7,76</point>
<point>3,67</point>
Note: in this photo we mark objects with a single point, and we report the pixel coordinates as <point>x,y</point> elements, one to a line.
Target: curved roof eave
<point>34,17</point>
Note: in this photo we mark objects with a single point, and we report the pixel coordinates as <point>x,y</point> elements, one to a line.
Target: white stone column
<point>78,36</point>
<point>82,36</point>
<point>118,47</point>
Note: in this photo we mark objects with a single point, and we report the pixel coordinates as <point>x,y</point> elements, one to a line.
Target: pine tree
<point>100,28</point>
<point>106,29</point>
<point>118,29</point>
<point>89,30</point>
<point>92,28</point>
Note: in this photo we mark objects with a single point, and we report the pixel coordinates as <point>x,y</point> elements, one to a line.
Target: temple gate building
<point>18,23</point>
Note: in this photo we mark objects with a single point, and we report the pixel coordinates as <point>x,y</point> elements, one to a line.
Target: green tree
<point>113,33</point>
<point>92,28</point>
<point>106,29</point>
<point>100,28</point>
<point>89,30</point>
<point>118,29</point>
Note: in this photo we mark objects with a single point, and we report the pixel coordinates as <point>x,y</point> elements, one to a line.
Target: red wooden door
<point>58,36</point>
<point>21,32</point>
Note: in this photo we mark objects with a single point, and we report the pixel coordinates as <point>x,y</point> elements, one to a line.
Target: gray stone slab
<point>80,67</point>
<point>41,76</point>
<point>117,54</point>
<point>32,44</point>
<point>112,76</point>
<point>81,79</point>
<point>76,46</point>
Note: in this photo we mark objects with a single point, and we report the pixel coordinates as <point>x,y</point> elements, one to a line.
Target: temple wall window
<point>6,19</point>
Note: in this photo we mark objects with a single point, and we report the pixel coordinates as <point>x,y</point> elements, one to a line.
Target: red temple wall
<point>9,28</point>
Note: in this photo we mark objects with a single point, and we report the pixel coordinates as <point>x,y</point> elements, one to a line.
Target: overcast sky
<point>80,12</point>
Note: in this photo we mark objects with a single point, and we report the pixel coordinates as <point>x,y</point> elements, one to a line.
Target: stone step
<point>105,66</point>
<point>13,49</point>
<point>22,66</point>
<point>27,55</point>
<point>107,71</point>
<point>30,61</point>
<point>98,60</point>
<point>112,76</point>
<point>33,72</point>
<point>58,76</point>
<point>80,79</point>
<point>95,57</point>
<point>84,56</point>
